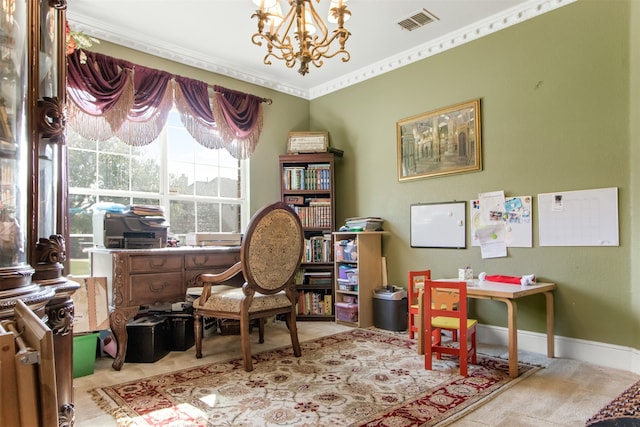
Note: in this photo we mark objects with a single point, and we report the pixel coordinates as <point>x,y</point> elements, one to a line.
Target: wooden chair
<point>270,255</point>
<point>444,305</point>
<point>414,283</point>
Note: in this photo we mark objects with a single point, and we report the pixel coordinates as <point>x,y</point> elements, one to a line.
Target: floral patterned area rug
<point>623,411</point>
<point>361,377</point>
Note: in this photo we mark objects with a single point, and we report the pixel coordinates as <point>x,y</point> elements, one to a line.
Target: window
<point>201,190</point>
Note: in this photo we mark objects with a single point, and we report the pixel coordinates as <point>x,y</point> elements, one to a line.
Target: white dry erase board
<point>579,218</point>
<point>438,225</point>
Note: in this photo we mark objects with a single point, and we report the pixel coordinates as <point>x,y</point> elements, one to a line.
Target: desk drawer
<point>205,261</point>
<point>155,263</point>
<point>153,288</point>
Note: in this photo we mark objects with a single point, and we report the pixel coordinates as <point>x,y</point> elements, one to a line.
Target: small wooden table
<point>508,294</point>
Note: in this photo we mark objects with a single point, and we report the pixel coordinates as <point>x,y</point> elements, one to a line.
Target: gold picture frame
<point>308,142</point>
<point>440,142</point>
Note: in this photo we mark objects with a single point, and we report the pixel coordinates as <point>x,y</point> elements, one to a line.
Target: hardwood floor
<point>565,393</point>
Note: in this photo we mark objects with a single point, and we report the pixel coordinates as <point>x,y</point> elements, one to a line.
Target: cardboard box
<point>90,304</point>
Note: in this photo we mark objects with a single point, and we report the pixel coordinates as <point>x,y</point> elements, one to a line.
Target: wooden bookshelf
<point>307,185</point>
<point>358,253</point>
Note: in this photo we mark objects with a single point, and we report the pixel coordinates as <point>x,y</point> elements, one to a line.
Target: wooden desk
<point>508,294</point>
<point>147,277</point>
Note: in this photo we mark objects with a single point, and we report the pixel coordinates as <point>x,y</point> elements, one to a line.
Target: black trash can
<point>391,309</point>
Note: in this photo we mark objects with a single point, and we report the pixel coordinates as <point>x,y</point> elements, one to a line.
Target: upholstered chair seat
<point>230,301</point>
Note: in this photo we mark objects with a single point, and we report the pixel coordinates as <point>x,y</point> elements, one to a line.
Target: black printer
<point>131,230</point>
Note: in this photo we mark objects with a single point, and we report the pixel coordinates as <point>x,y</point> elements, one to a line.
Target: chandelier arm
<point>317,20</point>
<point>320,50</point>
<point>319,61</point>
<point>286,56</point>
<point>255,39</point>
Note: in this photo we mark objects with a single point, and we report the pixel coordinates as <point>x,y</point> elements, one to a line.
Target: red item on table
<point>504,279</point>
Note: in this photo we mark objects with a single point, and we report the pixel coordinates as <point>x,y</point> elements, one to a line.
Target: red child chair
<point>443,304</point>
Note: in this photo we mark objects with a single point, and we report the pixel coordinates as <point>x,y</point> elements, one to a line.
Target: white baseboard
<point>598,353</point>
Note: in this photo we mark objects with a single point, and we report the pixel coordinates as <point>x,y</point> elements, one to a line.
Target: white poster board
<point>579,218</point>
<point>438,225</point>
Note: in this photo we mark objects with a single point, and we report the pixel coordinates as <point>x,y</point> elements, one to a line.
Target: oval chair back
<point>270,256</point>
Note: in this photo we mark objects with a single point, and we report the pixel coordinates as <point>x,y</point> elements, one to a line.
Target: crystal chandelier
<point>300,35</point>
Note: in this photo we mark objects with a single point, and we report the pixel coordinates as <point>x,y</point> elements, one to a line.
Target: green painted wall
<point>634,121</point>
<point>555,100</point>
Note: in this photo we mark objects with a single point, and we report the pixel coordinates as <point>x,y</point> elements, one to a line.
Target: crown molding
<point>508,18</point>
<point>103,31</point>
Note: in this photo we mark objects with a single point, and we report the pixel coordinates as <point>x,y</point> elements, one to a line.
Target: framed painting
<point>440,142</point>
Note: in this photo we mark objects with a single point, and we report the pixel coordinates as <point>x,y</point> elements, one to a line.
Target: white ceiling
<point>215,35</point>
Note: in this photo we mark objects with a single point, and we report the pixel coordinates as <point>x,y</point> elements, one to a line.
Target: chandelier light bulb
<point>308,23</point>
<point>338,5</point>
<point>275,14</point>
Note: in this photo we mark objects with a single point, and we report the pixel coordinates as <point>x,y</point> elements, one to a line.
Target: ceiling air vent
<point>417,20</point>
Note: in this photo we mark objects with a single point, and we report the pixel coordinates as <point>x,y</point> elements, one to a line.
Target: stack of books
<point>369,223</point>
<point>146,210</point>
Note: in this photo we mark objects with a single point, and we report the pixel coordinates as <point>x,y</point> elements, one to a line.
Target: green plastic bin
<point>84,354</point>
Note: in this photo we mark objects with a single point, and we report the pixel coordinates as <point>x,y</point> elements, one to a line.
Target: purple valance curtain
<point>239,118</point>
<point>101,92</point>
<point>108,97</point>
<point>192,101</point>
<point>150,109</point>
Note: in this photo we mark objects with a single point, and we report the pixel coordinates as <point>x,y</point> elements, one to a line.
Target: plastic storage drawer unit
<point>347,312</point>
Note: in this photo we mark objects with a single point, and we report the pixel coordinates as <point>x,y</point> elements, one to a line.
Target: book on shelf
<point>328,304</point>
<point>319,201</point>
<point>320,281</point>
<point>314,303</point>
<point>312,177</point>
<point>293,177</point>
<point>318,249</point>
<point>318,278</point>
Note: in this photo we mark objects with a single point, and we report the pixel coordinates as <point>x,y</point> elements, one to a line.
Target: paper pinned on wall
<point>492,244</point>
<point>491,207</point>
